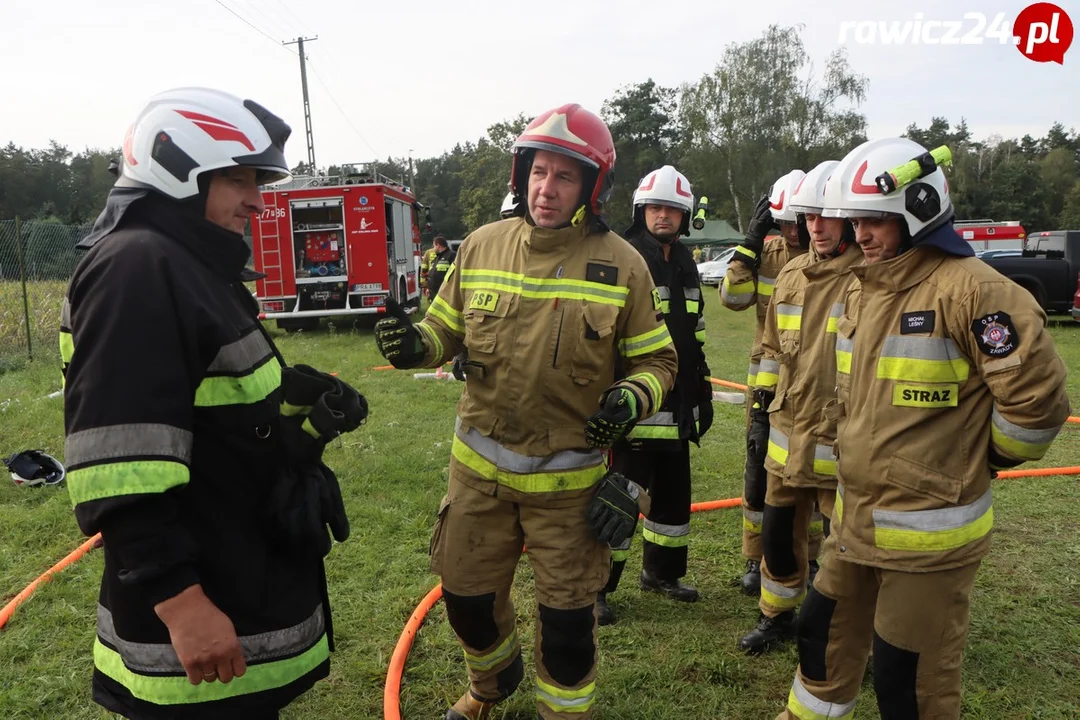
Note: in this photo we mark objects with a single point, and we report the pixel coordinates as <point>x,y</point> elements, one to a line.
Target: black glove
<point>617,415</point>
<point>705,417</point>
<point>761,222</point>
<point>614,510</point>
<point>460,361</point>
<point>316,408</point>
<point>301,503</point>
<point>397,339</point>
<point>757,439</point>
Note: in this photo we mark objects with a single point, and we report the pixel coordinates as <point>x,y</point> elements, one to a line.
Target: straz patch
<point>921,321</point>
<point>923,396</point>
<point>484,300</point>
<point>995,334</point>
<point>656,299</point>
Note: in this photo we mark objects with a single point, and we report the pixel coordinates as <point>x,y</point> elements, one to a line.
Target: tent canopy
<point>715,232</point>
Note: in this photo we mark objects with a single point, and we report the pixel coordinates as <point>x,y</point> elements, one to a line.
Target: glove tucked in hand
<point>614,510</point>
<point>757,440</point>
<point>397,339</point>
<point>617,415</point>
<point>761,222</point>
<point>705,417</point>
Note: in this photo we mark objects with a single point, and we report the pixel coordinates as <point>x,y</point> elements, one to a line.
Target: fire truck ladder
<point>270,252</point>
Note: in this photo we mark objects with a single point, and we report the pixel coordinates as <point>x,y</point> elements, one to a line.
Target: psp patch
<point>484,300</point>
<point>995,334</point>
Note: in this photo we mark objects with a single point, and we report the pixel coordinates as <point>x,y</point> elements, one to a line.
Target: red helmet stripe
<point>679,188</point>
<point>858,186</point>
<point>779,203</point>
<point>218,129</point>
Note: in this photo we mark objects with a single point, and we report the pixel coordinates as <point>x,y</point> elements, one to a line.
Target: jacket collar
<point>903,271</point>
<point>821,266</point>
<point>544,239</point>
<point>946,239</point>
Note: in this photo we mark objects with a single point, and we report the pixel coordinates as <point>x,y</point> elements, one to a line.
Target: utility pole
<point>412,177</point>
<point>307,105</point>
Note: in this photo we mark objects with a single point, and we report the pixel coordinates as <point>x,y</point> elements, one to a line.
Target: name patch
<point>917,322</point>
<point>484,300</point>
<point>924,396</point>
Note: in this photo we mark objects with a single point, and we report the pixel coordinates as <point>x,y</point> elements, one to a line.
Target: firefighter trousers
<point>788,519</point>
<point>475,548</point>
<point>663,468</point>
<point>755,488</point>
<point>916,623</point>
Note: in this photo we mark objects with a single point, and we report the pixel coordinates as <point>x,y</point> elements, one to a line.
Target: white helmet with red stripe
<point>781,193</point>
<point>852,192</point>
<point>666,186</point>
<point>809,196</point>
<point>185,132</point>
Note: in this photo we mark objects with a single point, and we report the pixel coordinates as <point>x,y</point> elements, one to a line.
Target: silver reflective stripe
<point>929,520</point>
<point>125,441</point>
<point>778,438</point>
<point>769,366</point>
<point>779,590</point>
<point>667,530</point>
<point>161,657</point>
<point>625,544</point>
<point>700,324</point>
<point>754,516</point>
<point>553,701</point>
<point>664,292</point>
<point>510,461</point>
<point>755,368</point>
<point>840,489</point>
<point>766,280</point>
<point>788,309</point>
<point>920,348</point>
<point>734,298</point>
<point>65,314</point>
<point>664,418</point>
<point>820,707</point>
<point>242,355</point>
<point>837,310</point>
<point>824,452</point>
<point>1022,434</point>
<point>844,344</point>
<point>692,293</point>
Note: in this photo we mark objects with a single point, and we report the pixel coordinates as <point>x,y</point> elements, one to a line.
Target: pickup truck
<point>1049,268</point>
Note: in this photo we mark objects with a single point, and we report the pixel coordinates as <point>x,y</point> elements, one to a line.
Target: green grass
<point>661,660</point>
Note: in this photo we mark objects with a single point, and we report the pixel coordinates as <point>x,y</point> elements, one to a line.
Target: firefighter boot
<point>751,579</point>
<point>672,588</point>
<point>604,614</point>
<point>469,707</point>
<point>769,632</point>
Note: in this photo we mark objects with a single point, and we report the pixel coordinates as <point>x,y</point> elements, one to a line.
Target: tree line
<point>765,108</point>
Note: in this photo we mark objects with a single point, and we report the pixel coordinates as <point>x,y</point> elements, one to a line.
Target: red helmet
<point>571,130</point>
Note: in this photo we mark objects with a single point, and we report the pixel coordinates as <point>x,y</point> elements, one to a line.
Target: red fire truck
<point>336,246</point>
<point>983,235</point>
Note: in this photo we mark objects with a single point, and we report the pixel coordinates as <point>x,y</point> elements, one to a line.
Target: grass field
<point>661,660</point>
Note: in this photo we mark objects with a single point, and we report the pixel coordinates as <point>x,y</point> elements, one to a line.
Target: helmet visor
<point>855,213</point>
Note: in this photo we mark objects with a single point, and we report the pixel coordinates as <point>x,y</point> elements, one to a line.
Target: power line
<point>249,7</point>
<point>340,110</point>
<point>301,23</point>
<point>249,24</point>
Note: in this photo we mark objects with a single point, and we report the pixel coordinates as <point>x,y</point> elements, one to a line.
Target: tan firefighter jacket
<point>798,363</point>
<point>946,372</point>
<point>743,287</point>
<point>543,314</point>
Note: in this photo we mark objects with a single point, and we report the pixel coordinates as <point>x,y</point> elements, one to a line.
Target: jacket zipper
<point>558,339</point>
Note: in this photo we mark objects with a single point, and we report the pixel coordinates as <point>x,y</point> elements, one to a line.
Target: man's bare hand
<point>204,637</point>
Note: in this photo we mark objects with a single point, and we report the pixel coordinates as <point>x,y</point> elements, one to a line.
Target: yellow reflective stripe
<point>451,317</point>
<point>782,598</point>
<point>742,250</point>
<point>176,690</point>
<point>504,651</point>
<point>925,396</point>
<point>310,429</point>
<point>653,384</point>
<point>1020,442</point>
<point>834,315</point>
<point>934,530</point>
<point>566,701</point>
<point>788,317</point>
<point>838,505</point>
<point>545,288</point>
<point>244,390</point>
<point>743,288</point>
<point>645,343</point>
<point>654,432</point>
<point>766,285</point>
<point>526,482</point>
<point>135,477</point>
<point>433,340</point>
<point>805,706</point>
<point>290,410</point>
<point>830,326</point>
<point>692,306</point>
<point>843,361</point>
<point>658,539</point>
<point>699,335</point>
<point>67,346</point>
<point>778,446</point>
<point>916,370</point>
<point>768,374</point>
<point>751,520</point>
<point>739,295</point>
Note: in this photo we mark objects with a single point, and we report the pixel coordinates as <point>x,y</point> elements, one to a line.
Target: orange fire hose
<point>71,557</point>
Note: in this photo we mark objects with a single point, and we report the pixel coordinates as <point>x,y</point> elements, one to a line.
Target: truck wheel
<point>308,323</point>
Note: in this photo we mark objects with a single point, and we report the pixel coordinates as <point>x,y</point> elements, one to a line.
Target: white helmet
<point>809,196</point>
<point>666,186</point>
<point>185,132</point>
<point>781,193</point>
<point>853,189</point>
<point>508,206</point>
<point>33,467</point>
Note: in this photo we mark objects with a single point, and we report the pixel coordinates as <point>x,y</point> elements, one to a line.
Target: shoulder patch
<point>995,334</point>
<point>920,321</point>
<point>655,299</point>
<point>605,274</point>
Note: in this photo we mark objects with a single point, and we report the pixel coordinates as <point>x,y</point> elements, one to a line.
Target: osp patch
<point>995,334</point>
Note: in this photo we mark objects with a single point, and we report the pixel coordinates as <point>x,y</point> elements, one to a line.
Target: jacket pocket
<point>485,320</point>
<point>593,353</point>
<point>923,480</point>
<point>435,547</point>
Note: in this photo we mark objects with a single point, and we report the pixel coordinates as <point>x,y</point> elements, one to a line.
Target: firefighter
<point>440,265</point>
<point>656,453</point>
<point>749,281</point>
<point>697,255</point>
<point>427,263</point>
<point>946,374</point>
<point>544,302</point>
<point>175,435</point>
<point>796,384</point>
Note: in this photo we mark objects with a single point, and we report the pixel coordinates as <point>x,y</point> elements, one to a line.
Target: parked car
<point>987,254</point>
<point>1048,269</point>
<point>713,271</point>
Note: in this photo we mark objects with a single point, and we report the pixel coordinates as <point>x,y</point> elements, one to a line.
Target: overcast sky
<point>421,75</point>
